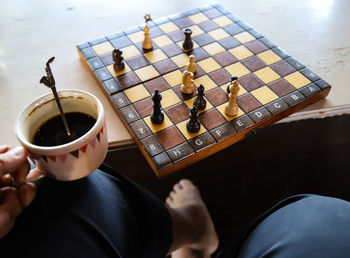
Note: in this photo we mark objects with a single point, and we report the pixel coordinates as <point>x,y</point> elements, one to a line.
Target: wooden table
<point>315,32</point>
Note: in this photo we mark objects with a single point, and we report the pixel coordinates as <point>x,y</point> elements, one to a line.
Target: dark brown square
<point>253,63</point>
<point>144,107</point>
<point>282,68</point>
<point>170,137</point>
<point>199,53</point>
<point>229,43</point>
<point>155,32</point>
<point>202,141</point>
<point>157,83</point>
<point>172,50</point>
<point>225,58</point>
<point>220,76</point>
<point>182,96</point>
<point>212,13</point>
<point>211,119</point>
<point>107,59</point>
<point>250,82</point>
<point>127,80</point>
<point>203,39</point>
<point>129,113</point>
<point>216,97</point>
<point>233,29</point>
<point>137,62</point>
<point>247,103</point>
<point>121,42</point>
<point>140,129</point>
<point>256,46</point>
<point>181,151</point>
<point>208,25</point>
<point>184,22</point>
<point>177,35</point>
<point>162,160</point>
<point>151,145</point>
<point>223,132</point>
<point>120,99</point>
<point>281,87</point>
<point>165,66</point>
<point>178,113</point>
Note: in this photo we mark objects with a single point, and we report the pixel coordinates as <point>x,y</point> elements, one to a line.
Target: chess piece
<point>188,44</point>
<point>191,65</point>
<point>187,82</point>
<point>118,60</point>
<point>157,116</point>
<point>193,125</point>
<point>233,78</point>
<point>199,101</point>
<point>231,108</point>
<point>147,42</point>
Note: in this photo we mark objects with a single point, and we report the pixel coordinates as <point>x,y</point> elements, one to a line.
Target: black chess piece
<point>233,78</point>
<point>199,101</point>
<point>193,125</point>
<point>188,44</point>
<point>157,116</point>
<point>118,60</point>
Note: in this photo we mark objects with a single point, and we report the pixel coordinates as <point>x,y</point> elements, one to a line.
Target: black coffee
<point>53,133</point>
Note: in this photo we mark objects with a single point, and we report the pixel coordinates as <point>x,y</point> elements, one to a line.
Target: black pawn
<point>233,78</point>
<point>193,125</point>
<point>188,44</point>
<point>200,102</point>
<point>157,116</point>
<point>118,60</point>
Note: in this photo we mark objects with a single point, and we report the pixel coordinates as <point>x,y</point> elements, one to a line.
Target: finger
<point>6,180</point>
<point>12,159</point>
<point>26,193</point>
<point>4,148</point>
<point>20,175</point>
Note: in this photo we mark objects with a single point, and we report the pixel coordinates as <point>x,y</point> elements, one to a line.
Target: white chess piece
<point>191,65</point>
<point>231,109</point>
<point>187,82</point>
<point>147,42</point>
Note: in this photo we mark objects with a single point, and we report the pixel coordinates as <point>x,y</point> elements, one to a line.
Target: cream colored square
<point>242,90</point>
<point>174,78</point>
<point>169,98</point>
<point>218,34</point>
<point>137,36</point>
<point>237,69</point>
<point>158,127</point>
<point>222,21</point>
<point>180,43</point>
<point>264,95</point>
<point>241,52</point>
<point>155,56</point>
<point>206,82</point>
<point>297,80</point>
<point>146,73</point>
<point>168,27</point>
<point>198,18</point>
<point>196,30</point>
<point>267,75</point>
<point>136,93</point>
<point>189,103</point>
<point>209,65</point>
<point>269,57</point>
<point>103,48</point>
<point>162,41</point>
<point>115,73</point>
<point>180,60</point>
<point>182,127</point>
<point>221,109</point>
<point>130,51</point>
<point>213,48</point>
<point>244,37</point>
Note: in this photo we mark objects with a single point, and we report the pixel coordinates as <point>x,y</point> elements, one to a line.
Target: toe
<point>172,194</point>
<point>169,201</point>
<point>186,183</point>
<point>177,187</point>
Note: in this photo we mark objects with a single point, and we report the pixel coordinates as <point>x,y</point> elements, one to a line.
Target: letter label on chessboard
<point>176,152</point>
<point>218,132</point>
<point>312,89</point>
<point>198,142</point>
<point>277,105</point>
<point>258,114</point>
<point>239,123</point>
<point>152,147</point>
<point>295,97</point>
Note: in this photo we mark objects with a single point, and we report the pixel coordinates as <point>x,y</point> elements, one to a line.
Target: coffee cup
<point>77,158</point>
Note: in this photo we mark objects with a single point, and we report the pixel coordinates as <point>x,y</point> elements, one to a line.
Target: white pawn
<point>147,42</point>
<point>187,82</point>
<point>191,65</point>
<point>231,109</point>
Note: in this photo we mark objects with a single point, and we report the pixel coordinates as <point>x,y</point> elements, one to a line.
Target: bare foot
<point>196,229</point>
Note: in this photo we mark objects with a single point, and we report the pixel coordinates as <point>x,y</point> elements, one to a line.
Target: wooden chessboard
<point>273,84</point>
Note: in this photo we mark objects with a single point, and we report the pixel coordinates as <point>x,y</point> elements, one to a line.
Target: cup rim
<point>50,96</point>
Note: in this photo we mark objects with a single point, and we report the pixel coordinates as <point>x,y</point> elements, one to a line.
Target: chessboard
<point>272,83</point>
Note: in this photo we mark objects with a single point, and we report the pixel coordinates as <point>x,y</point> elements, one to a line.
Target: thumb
<point>26,193</point>
<point>12,159</point>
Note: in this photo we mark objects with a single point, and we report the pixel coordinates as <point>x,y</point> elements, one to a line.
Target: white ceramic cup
<point>72,160</point>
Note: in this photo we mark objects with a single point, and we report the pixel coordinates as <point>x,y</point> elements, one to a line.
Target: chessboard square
<point>237,69</point>
<point>115,73</point>
<point>178,113</point>
<point>220,76</point>
<point>180,60</point>
<point>264,95</point>
<point>282,68</point>
<point>130,51</point>
<point>222,21</point>
<point>180,44</point>
<point>253,63</point>
<point>221,109</point>
<point>146,73</point>
<point>214,48</point>
<point>156,84</point>
<point>225,58</point>
<point>281,87</point>
<point>120,42</point>
<point>172,50</point>
<point>198,18</point>
<point>162,41</point>
<point>250,82</point>
<point>173,78</point>
<point>155,56</point>
<point>168,27</point>
<point>267,75</point>
<point>218,34</point>
<point>182,127</point>
<point>137,36</point>
<point>244,37</point>
<point>170,137</point>
<point>297,80</point>
<point>158,127</point>
<point>208,25</point>
<point>165,66</point>
<point>209,65</point>
<point>136,93</point>
<point>203,39</point>
<point>189,104</point>
<point>137,62</point>
<point>256,46</point>
<point>169,98</point>
<point>269,57</point>
<point>211,119</point>
<point>144,107</point>
<point>103,48</point>
<point>196,30</point>
<point>242,90</point>
<point>206,82</point>
<point>127,80</point>
<point>217,96</point>
<point>241,52</point>
<point>248,103</point>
